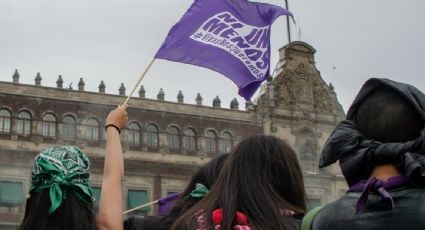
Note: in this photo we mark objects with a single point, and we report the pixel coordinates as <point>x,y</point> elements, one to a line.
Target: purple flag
<point>166,203</point>
<point>231,37</point>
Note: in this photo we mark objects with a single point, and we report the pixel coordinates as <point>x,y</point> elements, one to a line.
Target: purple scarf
<point>379,186</point>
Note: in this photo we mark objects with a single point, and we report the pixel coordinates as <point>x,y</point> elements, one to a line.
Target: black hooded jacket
<point>357,156</point>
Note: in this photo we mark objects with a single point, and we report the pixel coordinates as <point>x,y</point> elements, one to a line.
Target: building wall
<point>296,105</point>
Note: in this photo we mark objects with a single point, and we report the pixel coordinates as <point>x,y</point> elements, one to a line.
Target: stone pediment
<point>299,86</point>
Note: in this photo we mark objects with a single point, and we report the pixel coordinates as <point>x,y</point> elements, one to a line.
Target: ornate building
<point>166,141</point>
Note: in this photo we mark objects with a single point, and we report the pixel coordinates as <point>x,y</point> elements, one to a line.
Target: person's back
<point>60,197</point>
<point>408,212</point>
<point>380,149</point>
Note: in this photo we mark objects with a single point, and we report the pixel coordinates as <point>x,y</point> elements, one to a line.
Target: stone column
<point>157,187</point>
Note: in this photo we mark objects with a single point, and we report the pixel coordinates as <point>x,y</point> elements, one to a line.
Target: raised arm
<point>111,207</point>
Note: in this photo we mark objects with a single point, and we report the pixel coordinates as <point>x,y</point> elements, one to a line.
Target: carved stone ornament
<point>294,86</point>
<point>300,85</point>
<point>285,95</point>
<point>323,102</point>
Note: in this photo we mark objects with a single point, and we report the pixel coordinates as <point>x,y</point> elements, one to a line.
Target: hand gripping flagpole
<point>138,82</point>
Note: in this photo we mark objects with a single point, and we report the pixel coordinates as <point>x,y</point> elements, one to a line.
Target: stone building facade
<point>166,141</point>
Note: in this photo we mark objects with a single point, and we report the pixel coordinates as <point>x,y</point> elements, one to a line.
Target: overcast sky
<point>115,40</point>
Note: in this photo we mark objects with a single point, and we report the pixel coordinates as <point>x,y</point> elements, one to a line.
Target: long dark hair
<point>72,214</point>
<point>261,177</point>
<point>206,175</point>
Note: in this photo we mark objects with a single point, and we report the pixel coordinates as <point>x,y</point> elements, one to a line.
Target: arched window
<point>173,138</point>
<point>189,140</point>
<point>49,125</point>
<point>92,129</point>
<point>134,134</point>
<point>307,151</point>
<point>5,121</point>
<point>69,127</point>
<point>308,157</point>
<point>152,136</point>
<point>226,142</point>
<point>210,142</point>
<point>24,123</point>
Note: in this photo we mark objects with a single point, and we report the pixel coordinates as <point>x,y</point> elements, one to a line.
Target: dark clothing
<point>358,155</point>
<point>146,223</point>
<point>294,222</point>
<point>408,213</point>
<point>377,208</point>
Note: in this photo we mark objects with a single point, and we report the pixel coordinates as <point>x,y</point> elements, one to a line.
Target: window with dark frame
<point>137,198</point>
<point>307,151</point>
<point>24,123</point>
<point>210,142</point>
<point>134,133</point>
<point>69,127</point>
<point>49,125</point>
<point>92,130</point>
<point>11,194</point>
<point>152,136</point>
<point>226,142</point>
<point>189,140</point>
<point>309,157</point>
<point>173,138</point>
<point>5,121</point>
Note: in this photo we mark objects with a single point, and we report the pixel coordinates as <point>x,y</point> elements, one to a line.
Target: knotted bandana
<point>199,191</point>
<point>59,168</point>
<point>358,156</point>
<point>379,186</point>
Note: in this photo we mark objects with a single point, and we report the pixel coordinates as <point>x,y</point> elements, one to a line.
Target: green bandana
<point>199,191</point>
<point>62,167</point>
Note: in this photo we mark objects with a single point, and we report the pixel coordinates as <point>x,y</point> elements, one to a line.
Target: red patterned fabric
<point>217,218</point>
<point>240,218</point>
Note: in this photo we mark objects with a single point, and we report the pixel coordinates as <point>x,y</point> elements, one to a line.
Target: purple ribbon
<point>379,186</point>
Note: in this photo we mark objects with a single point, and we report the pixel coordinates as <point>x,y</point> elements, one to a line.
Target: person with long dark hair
<point>60,196</point>
<point>259,187</point>
<point>195,190</point>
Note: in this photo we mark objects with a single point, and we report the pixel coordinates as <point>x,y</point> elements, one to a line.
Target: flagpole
<point>287,22</point>
<point>138,82</point>
<point>141,206</point>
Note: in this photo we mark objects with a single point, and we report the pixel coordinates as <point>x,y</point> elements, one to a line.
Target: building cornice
<point>113,100</point>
